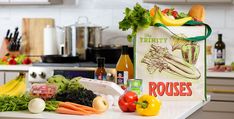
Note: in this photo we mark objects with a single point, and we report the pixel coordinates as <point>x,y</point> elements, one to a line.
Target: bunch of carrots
<point>75,109</point>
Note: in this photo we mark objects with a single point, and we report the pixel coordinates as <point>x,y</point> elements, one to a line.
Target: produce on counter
<point>60,81</point>
<point>44,91</point>
<point>36,105</point>
<point>75,109</point>
<point>139,17</point>
<point>79,96</point>
<point>172,13</point>
<point>74,84</point>
<point>14,60</point>
<point>127,101</point>
<point>100,104</point>
<point>14,87</point>
<point>148,105</point>
<point>135,18</point>
<point>110,99</point>
<point>221,68</point>
<point>159,17</point>
<point>160,59</point>
<point>64,84</point>
<point>21,103</point>
<point>14,103</point>
<point>51,105</point>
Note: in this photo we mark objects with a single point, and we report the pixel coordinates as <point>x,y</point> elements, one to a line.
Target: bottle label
<point>100,77</point>
<point>219,56</point>
<point>122,77</point>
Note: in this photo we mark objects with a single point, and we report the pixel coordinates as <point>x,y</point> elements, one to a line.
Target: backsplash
<point>109,13</point>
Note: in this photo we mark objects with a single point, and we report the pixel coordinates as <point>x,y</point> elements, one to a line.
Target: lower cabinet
<point>201,114</point>
<point>1,78</point>
<point>9,76</point>
<point>221,105</point>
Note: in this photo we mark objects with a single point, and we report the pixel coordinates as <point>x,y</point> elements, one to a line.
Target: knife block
<point>4,50</point>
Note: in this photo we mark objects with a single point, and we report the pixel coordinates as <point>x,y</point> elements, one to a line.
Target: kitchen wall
<point>109,13</point>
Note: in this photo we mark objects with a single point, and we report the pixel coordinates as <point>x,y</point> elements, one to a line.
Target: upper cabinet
<point>30,2</point>
<point>4,1</point>
<point>188,1</point>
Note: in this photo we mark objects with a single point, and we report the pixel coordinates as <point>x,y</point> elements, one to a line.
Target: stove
<point>40,72</point>
<point>81,64</point>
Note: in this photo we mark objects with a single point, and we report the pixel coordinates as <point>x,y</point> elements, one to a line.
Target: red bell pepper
<point>127,101</point>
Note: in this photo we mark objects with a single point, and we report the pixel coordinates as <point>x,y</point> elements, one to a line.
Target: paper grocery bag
<point>171,68</point>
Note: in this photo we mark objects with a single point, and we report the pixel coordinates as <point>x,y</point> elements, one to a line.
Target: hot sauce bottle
<point>100,73</point>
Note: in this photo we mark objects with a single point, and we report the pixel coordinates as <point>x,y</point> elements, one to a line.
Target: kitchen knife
<point>16,36</point>
<point>9,39</point>
<point>15,33</point>
<point>10,42</point>
<point>7,34</point>
<point>18,44</point>
<point>10,46</point>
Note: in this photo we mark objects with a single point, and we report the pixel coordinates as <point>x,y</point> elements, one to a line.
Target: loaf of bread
<point>197,12</point>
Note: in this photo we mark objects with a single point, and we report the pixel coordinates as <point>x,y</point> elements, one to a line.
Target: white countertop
<point>169,110</point>
<point>15,68</point>
<point>25,68</point>
<point>220,74</point>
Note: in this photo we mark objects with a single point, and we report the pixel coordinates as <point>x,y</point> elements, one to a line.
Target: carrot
<point>83,107</point>
<point>72,107</point>
<point>63,110</point>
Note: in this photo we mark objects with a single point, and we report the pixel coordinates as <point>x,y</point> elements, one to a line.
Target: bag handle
<point>190,23</point>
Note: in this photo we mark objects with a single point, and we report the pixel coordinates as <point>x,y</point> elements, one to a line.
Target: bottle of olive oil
<point>219,51</point>
<point>124,67</point>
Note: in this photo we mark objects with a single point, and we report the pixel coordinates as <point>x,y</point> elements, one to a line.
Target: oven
<point>39,74</point>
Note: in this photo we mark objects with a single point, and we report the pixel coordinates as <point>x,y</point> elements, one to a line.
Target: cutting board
<point>32,35</point>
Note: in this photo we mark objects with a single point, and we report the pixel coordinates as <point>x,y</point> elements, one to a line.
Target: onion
<point>36,105</point>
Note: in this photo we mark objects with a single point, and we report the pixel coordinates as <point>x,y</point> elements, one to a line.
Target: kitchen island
<point>169,110</point>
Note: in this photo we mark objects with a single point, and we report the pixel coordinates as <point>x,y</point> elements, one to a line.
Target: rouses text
<point>170,88</point>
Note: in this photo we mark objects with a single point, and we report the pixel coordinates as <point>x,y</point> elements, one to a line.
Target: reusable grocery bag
<point>171,61</point>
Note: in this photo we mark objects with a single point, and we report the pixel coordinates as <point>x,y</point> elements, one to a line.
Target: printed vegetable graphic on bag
<point>169,52</point>
<point>159,58</point>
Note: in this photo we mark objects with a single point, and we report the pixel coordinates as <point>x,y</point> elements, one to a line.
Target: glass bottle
<point>100,73</point>
<point>219,51</point>
<point>124,67</point>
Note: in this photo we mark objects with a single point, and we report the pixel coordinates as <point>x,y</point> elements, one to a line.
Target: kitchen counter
<point>15,68</point>
<point>169,110</point>
<point>25,68</point>
<point>220,74</point>
<point>80,64</point>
